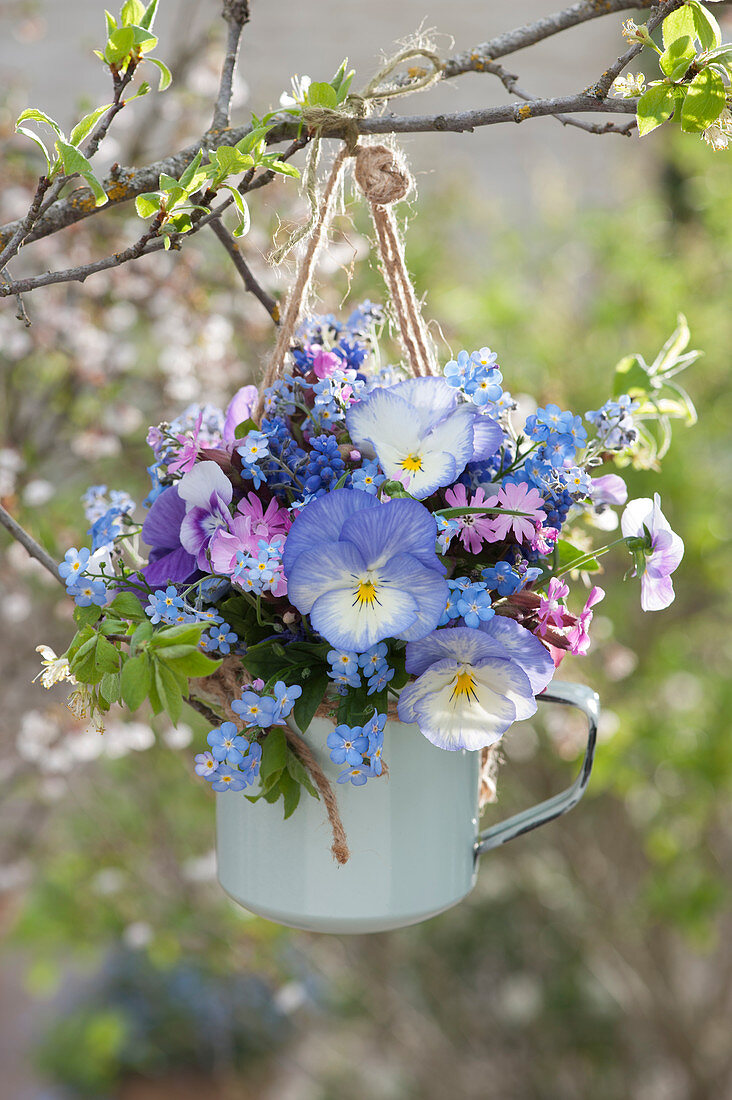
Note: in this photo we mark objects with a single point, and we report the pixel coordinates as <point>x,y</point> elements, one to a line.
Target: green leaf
<point>148,18</point>
<point>255,137</point>
<point>722,56</point>
<point>119,45</point>
<point>674,346</point>
<point>704,101</point>
<point>195,664</point>
<point>274,753</point>
<point>31,114</point>
<point>132,12</point>
<point>112,626</point>
<point>93,658</point>
<point>86,125</point>
<point>313,690</point>
<point>706,26</point>
<point>135,681</point>
<point>186,634</point>
<point>86,615</point>
<point>321,94</point>
<point>678,24</point>
<point>148,204</point>
<point>300,775</point>
<point>676,59</point>
<point>144,40</point>
<point>142,634</point>
<point>190,173</point>
<point>38,141</point>
<point>246,426</point>
<point>229,159</point>
<point>111,22</point>
<point>283,168</point>
<point>107,655</point>
<point>127,606</point>
<point>655,106</point>
<point>568,554</point>
<point>75,163</point>
<point>290,793</point>
<point>169,691</point>
<point>109,687</point>
<point>165,74</point>
<point>244,218</point>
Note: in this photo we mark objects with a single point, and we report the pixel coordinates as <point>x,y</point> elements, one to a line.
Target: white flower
<point>719,134</point>
<point>635,32</point>
<point>300,86</point>
<point>54,669</point>
<point>629,86</point>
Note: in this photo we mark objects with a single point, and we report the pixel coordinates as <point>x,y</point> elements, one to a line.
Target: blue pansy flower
<point>363,573</point>
<point>421,434</point>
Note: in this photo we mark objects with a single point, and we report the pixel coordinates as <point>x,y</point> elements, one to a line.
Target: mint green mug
<point>413,835</point>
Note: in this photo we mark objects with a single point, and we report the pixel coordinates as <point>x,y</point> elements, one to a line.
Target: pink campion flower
<point>325,362</point>
<point>265,524</point>
<point>185,460</point>
<point>544,539</point>
<point>579,636</point>
<point>643,519</point>
<point>519,498</point>
<point>475,528</point>
<point>551,608</point>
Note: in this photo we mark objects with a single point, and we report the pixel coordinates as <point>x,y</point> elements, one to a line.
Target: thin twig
<point>34,548</point>
<point>236,14</point>
<point>242,267</point>
<point>24,225</point>
<point>602,87</point>
<point>475,60</point>
<point>21,314</point>
<point>99,132</point>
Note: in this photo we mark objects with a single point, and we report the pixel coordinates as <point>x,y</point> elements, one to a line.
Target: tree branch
<point>23,226</point>
<point>242,267</point>
<point>34,548</point>
<point>236,14</point>
<point>475,60</point>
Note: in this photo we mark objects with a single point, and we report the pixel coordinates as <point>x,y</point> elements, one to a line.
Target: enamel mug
<point>413,835</point>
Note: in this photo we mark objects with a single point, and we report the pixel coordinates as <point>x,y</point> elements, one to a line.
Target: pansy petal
<point>657,593</point>
<point>427,587</point>
<point>349,623</point>
<point>461,643</point>
<point>455,434</point>
<point>206,478</point>
<point>172,568</point>
<point>510,680</point>
<point>309,579</point>
<point>399,527</point>
<point>487,438</point>
<point>436,468</point>
<point>239,409</point>
<point>321,521</point>
<point>162,523</point>
<point>466,709</point>
<point>432,397</point>
<point>382,416</point>
<point>518,643</point>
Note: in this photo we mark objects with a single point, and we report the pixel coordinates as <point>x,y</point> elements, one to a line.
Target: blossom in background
<point>579,636</point>
<point>719,134</point>
<point>552,610</point>
<point>475,528</point>
<point>421,434</point>
<point>660,555</point>
<point>517,498</point>
<point>364,573</point>
<point>468,690</point>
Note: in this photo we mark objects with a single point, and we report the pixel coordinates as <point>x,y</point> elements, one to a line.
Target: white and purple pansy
<point>364,571</point>
<point>660,556</point>
<point>168,561</point>
<point>421,434</point>
<point>207,493</point>
<point>472,685</point>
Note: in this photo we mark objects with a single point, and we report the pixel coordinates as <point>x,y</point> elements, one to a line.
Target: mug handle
<point>586,700</point>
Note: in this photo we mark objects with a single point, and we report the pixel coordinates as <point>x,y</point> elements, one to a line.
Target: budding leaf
<point>187,179</point>
<point>245,221</point>
<point>655,106</point>
<point>678,24</point>
<point>75,163</point>
<point>148,204</point>
<point>132,12</point>
<point>119,45</point>
<point>165,74</point>
<point>148,18</point>
<point>706,26</point>
<point>704,101</point>
<point>675,60</point>
<point>321,94</point>
<point>87,124</point>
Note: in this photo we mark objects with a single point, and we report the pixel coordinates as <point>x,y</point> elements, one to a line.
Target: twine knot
<point>382,174</point>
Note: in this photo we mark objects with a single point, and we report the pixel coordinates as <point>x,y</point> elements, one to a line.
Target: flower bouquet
<point>362,592</point>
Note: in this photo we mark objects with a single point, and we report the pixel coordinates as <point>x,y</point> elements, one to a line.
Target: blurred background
<point>595,956</point>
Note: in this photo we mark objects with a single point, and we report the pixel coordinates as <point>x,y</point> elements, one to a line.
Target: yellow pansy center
<point>464,686</point>
<point>412,463</point>
<point>365,594</point>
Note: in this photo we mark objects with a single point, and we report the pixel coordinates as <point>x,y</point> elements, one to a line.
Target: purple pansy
<point>168,561</point>
<point>206,492</point>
